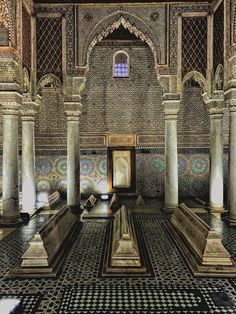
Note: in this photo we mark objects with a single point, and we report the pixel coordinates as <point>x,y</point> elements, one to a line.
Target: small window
<point>121,64</point>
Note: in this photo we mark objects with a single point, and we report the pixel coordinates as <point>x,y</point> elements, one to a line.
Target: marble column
<point>216,189</point>
<point>232,163</point>
<point>73,111</point>
<point>171,107</point>
<point>28,159</point>
<point>10,214</point>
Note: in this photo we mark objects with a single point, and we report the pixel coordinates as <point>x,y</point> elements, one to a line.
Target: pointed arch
<point>48,80</point>
<point>132,23</point>
<point>197,77</point>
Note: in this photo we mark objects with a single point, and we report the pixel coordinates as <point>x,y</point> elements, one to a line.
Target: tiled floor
<point>79,289</point>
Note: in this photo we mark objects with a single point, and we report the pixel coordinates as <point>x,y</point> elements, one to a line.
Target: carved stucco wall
<point>132,104</point>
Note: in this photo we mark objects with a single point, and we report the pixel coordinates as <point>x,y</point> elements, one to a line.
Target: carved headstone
<point>90,202</point>
<point>201,245</point>
<point>115,202</point>
<point>125,250</point>
<point>140,200</point>
<point>48,248</point>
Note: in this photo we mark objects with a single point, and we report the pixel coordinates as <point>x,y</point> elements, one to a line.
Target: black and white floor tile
<point>80,289</point>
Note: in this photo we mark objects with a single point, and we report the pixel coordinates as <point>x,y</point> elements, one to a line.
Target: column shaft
<point>216,169</point>
<point>171,178</point>
<point>232,167</point>
<point>73,162</point>
<point>11,214</point>
<point>28,164</point>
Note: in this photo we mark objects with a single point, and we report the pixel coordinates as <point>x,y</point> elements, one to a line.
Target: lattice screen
<point>49,46</point>
<point>218,39</point>
<point>194,44</point>
<point>26,38</point>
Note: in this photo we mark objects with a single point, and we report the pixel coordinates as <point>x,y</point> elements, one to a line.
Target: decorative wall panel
<point>49,46</point>
<point>194,44</point>
<point>51,173</point>
<point>193,115</point>
<point>193,172</point>
<point>51,117</point>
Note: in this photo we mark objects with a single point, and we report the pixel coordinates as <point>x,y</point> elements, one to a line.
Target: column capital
<point>29,108</point>
<point>10,108</point>
<point>10,102</point>
<point>230,93</point>
<point>215,105</point>
<point>171,103</point>
<point>230,98</point>
<point>28,115</point>
<point>73,110</point>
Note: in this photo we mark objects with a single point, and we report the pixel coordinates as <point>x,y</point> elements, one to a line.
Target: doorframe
<point>111,189</point>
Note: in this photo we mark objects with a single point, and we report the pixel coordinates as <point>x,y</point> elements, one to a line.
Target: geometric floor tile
<point>30,302</point>
<point>119,298</point>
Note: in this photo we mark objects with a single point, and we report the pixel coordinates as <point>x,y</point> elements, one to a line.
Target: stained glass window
<point>121,64</point>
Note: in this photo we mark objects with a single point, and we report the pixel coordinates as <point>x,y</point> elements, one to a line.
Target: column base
<point>6,222</point>
<point>170,208</point>
<point>216,209</point>
<point>232,222</point>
